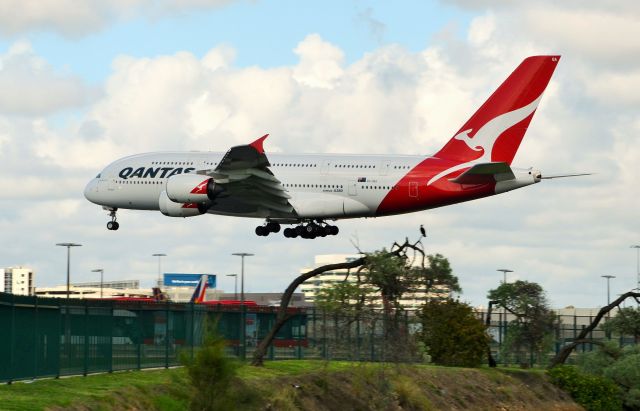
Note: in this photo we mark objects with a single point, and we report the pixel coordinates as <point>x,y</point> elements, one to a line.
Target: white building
<point>17,280</point>
<point>60,291</point>
<point>310,288</point>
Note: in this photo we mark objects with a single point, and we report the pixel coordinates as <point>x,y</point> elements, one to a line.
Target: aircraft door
<point>413,189</point>
<point>383,168</point>
<point>325,167</point>
<point>353,189</point>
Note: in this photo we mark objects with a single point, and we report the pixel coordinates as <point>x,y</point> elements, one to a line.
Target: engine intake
<point>173,209</point>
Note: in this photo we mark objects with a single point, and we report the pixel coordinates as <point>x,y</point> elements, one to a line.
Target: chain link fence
<point>51,337</point>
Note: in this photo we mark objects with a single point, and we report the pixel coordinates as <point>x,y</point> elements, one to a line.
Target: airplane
<point>309,190</point>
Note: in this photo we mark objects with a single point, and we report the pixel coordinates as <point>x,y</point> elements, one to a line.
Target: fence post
<point>166,337</point>
<point>12,337</point>
<point>271,349</point>
<point>139,323</point>
<point>298,338</point>
<point>36,345</point>
<point>111,324</point>
<point>86,337</point>
<point>243,332</point>
<point>193,326</point>
<point>325,355</point>
<point>358,337</point>
<point>60,332</point>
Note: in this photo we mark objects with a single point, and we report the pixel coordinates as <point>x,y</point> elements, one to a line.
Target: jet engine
<point>173,209</point>
<point>192,188</point>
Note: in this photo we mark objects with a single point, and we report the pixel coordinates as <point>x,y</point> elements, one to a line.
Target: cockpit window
<point>98,176</point>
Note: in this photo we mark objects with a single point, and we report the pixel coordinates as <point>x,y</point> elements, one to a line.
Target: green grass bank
<point>303,385</point>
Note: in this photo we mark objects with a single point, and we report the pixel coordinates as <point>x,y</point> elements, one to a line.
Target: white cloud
<point>30,86</point>
<point>78,18</point>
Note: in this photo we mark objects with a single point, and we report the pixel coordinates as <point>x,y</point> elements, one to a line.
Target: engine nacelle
<point>173,209</point>
<point>192,188</point>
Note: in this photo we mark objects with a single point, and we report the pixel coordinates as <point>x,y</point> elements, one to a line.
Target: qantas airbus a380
<point>307,190</point>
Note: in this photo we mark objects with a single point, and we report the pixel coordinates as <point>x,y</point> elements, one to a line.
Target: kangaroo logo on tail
<point>486,137</point>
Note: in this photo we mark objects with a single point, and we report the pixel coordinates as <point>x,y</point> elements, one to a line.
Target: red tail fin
<point>495,131</point>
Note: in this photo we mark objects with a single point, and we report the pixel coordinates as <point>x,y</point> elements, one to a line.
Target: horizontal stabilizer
<point>484,173</point>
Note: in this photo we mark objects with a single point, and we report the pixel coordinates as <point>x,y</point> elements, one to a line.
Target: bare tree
<point>562,356</point>
<point>397,250</point>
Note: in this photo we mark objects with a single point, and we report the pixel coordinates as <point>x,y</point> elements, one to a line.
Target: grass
<point>351,385</point>
<point>41,394</point>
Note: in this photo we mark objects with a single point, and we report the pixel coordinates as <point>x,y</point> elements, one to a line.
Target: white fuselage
<point>320,186</point>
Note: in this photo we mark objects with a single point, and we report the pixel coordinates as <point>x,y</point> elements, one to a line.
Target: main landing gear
<point>113,224</point>
<point>308,230</point>
<point>265,230</point>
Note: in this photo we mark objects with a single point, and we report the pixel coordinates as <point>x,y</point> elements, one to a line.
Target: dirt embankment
<point>416,388</point>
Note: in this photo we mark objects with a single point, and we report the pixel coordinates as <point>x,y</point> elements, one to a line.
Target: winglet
<point>258,144</point>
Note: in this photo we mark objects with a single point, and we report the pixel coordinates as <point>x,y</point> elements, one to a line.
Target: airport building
<point>17,280</point>
<point>311,287</point>
<point>118,284</point>
<point>84,291</point>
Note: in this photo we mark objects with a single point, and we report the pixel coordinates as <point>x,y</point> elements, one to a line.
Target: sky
<point>84,83</point>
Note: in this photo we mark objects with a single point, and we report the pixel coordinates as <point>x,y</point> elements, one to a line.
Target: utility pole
<point>68,245</point>
<point>159,255</point>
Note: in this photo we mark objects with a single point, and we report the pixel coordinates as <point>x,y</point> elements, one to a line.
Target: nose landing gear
<point>113,224</point>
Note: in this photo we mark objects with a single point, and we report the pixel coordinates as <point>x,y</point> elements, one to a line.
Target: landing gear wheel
<point>262,231</point>
<point>113,224</point>
<point>273,227</point>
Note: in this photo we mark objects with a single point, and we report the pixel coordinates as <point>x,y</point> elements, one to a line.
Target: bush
<point>452,334</point>
<point>211,374</point>
<point>593,392</point>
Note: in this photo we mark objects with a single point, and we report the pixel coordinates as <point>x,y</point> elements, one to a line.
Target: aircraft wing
<point>483,173</point>
<point>245,177</point>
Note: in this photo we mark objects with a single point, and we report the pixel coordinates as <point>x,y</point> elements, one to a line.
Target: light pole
<point>504,273</point>
<point>101,271</point>
<point>159,255</point>
<point>235,285</point>
<point>243,321</point>
<point>68,245</point>
<point>637,247</point>
<point>608,277</point>
<point>242,256</point>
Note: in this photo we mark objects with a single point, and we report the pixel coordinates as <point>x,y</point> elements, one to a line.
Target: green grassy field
<point>94,389</point>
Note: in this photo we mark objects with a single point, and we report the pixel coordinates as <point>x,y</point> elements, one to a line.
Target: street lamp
<point>243,321</point>
<point>101,271</point>
<point>242,256</point>
<point>235,285</point>
<point>504,273</point>
<point>608,277</point>
<point>637,247</point>
<point>68,245</point>
<point>159,255</point>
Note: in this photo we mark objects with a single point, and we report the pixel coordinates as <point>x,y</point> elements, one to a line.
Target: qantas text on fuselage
<point>308,190</point>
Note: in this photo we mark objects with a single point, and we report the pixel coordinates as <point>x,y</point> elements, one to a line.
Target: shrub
<point>593,392</point>
<point>452,334</point>
<point>211,374</point>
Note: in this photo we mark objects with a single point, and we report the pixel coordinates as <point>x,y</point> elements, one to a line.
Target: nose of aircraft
<point>91,191</point>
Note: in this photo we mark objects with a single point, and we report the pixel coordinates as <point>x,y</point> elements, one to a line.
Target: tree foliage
<point>452,333</point>
<point>625,322</point>
<point>532,329</point>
